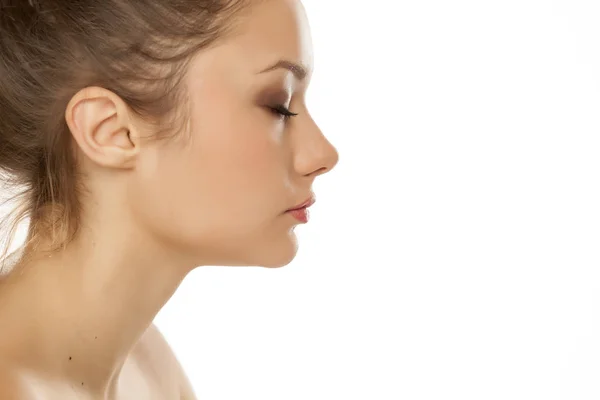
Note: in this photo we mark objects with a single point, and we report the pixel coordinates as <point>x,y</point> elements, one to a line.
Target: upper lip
<point>309,202</point>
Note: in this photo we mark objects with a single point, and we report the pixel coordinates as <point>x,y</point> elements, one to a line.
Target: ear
<point>100,123</point>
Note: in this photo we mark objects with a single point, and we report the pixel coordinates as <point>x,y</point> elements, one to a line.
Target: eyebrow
<point>298,70</point>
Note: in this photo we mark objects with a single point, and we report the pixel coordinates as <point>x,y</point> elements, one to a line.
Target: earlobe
<point>99,122</point>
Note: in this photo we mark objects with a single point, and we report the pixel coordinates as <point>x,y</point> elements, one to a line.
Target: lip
<point>309,202</point>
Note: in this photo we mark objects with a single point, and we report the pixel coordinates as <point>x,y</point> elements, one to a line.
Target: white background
<point>454,253</point>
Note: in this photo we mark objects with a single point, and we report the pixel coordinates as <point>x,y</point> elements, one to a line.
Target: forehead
<point>270,30</point>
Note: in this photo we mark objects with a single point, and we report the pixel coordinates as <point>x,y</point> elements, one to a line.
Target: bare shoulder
<point>159,356</point>
<point>12,385</point>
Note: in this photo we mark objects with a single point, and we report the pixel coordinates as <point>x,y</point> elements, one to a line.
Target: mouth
<point>309,202</point>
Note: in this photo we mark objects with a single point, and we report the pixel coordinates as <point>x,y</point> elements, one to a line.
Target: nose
<point>315,154</point>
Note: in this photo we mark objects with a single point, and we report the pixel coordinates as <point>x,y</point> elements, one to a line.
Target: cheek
<point>237,149</point>
<point>227,181</point>
<point>240,169</point>
<point>237,144</point>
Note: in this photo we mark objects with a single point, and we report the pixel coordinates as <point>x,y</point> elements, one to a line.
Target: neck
<point>83,309</point>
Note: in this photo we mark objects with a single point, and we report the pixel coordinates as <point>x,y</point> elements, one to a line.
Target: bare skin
<point>78,324</point>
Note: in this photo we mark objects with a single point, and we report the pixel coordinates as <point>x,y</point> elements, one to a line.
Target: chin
<point>267,252</point>
<point>277,263</point>
<point>275,253</point>
<point>270,261</point>
<point>283,253</point>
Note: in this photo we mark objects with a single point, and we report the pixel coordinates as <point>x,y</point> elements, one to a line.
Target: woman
<point>147,138</point>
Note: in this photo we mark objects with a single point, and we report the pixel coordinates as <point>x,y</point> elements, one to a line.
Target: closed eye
<point>281,110</point>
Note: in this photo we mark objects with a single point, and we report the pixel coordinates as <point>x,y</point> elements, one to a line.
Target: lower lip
<point>300,214</point>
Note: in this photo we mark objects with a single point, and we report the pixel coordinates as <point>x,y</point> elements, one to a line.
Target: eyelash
<point>283,111</point>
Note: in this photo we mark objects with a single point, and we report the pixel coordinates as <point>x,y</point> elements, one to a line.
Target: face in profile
<point>221,192</point>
